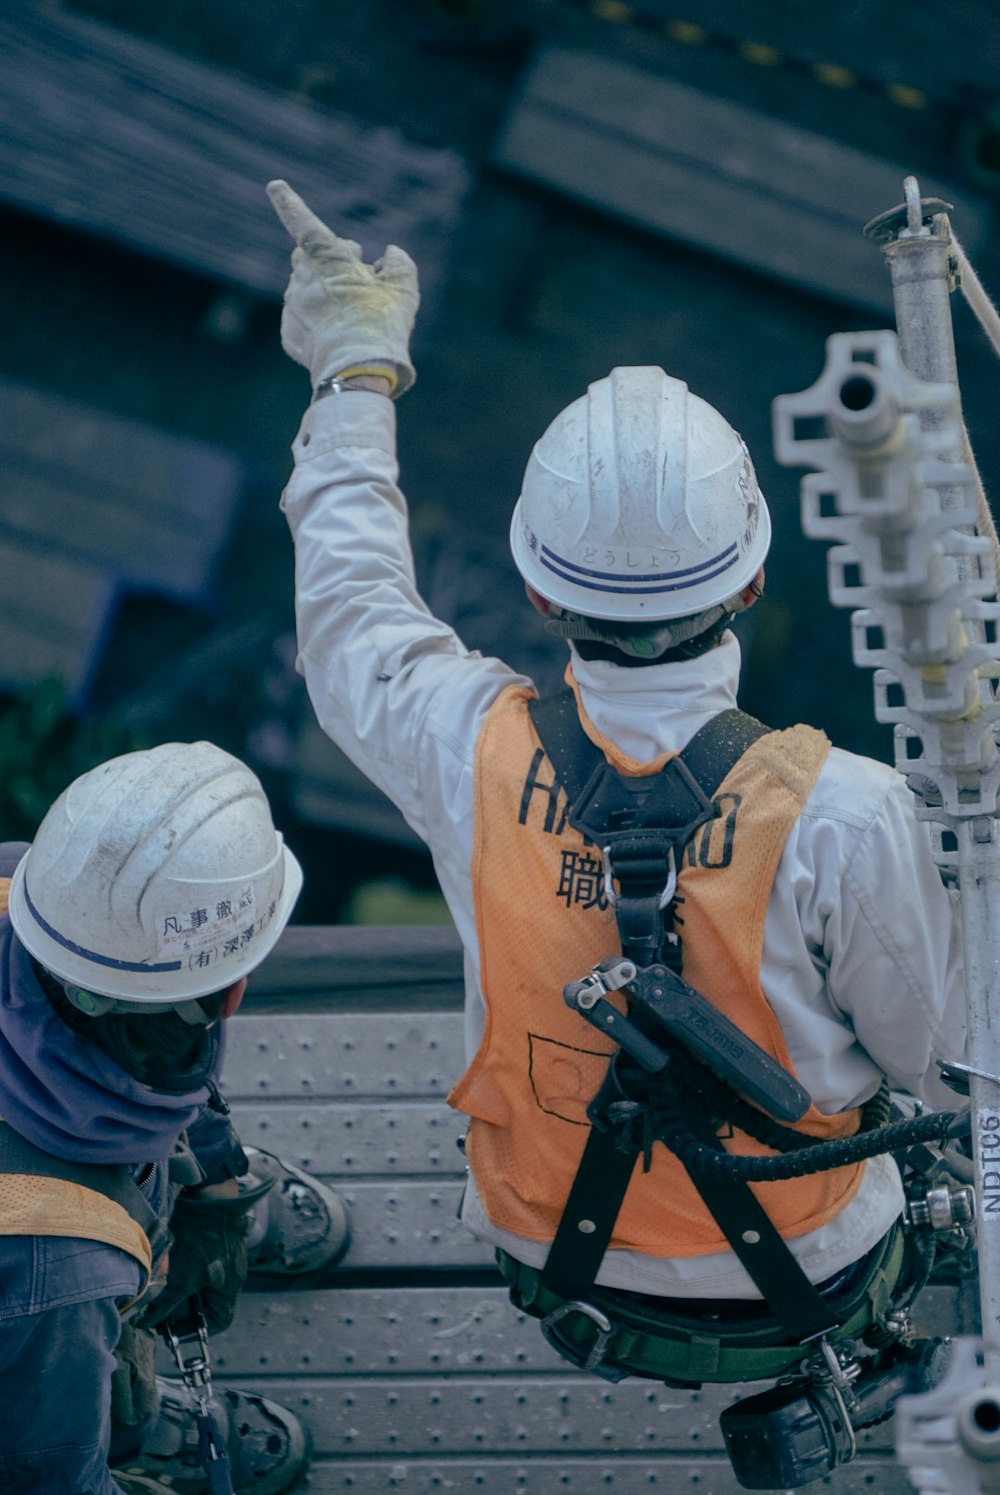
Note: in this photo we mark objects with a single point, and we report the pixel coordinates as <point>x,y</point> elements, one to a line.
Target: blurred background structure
<point>583,183</point>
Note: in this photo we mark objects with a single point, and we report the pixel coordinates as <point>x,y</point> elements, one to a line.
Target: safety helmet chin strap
<point>95,1004</point>
<point>642,641</point>
<point>647,641</point>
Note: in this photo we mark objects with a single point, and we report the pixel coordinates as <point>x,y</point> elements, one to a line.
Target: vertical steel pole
<point>917,245</point>
<point>920,265</point>
<point>979,874</point>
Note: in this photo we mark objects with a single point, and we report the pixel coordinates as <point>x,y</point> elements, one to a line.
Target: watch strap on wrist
<point>342,383</point>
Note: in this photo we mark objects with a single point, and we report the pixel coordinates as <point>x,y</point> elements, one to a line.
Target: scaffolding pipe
<point>882,430</point>
<point>923,271</point>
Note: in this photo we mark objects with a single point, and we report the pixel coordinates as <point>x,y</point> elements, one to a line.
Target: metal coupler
<point>588,998</point>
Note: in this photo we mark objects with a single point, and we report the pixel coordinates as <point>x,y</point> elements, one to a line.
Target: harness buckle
<point>610,892</point>
<point>583,1357</point>
<point>610,974</point>
<point>610,804</point>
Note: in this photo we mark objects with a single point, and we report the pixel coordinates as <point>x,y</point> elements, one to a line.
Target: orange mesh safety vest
<point>543,920</point>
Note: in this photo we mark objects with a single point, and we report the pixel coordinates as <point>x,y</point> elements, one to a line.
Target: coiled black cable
<point>657,1107</point>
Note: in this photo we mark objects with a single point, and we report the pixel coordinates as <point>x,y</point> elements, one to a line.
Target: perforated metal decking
<point>408,1362</point>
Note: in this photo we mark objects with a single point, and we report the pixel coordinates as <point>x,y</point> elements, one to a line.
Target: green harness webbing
<point>656,1339</point>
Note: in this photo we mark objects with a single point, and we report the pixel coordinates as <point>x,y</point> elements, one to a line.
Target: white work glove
<point>342,316</point>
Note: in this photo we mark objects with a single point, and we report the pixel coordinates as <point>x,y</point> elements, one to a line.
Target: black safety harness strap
<point>588,1218</point>
<point>708,757</point>
<point>762,1250</point>
<point>653,807</point>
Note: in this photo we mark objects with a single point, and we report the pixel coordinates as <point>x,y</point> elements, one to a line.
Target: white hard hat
<point>639,502</point>
<point>157,877</point>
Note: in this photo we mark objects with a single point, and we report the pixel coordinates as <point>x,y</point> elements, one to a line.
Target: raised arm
<point>393,686</point>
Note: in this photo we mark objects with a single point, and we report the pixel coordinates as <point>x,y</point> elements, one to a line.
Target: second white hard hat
<point>639,502</point>
<point>156,877</point>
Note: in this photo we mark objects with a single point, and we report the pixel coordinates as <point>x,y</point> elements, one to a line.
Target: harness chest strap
<point>605,1170</point>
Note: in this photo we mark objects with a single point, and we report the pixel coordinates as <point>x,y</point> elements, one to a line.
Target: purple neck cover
<point>67,1096</point>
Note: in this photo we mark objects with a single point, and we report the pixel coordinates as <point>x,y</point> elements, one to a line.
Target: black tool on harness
<point>666,998</point>
<point>642,826</point>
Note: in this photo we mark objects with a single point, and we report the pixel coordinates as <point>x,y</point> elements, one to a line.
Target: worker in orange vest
<point>665,907</point>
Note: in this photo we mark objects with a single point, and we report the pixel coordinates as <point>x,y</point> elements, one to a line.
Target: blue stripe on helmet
<point>92,955</point>
<point>631,590</point>
<point>701,572</point>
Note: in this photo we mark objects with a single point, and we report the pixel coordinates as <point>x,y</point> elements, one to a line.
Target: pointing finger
<point>396,265</point>
<point>300,220</point>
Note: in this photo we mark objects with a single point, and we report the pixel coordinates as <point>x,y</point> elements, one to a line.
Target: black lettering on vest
<point>711,845</point>
<point>533,784</point>
<point>715,843</point>
<point>581,881</point>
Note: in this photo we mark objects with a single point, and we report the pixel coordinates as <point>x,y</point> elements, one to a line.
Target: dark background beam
<point>535,295</point>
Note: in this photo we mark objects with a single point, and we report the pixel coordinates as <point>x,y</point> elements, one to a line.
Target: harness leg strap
<point>759,1246</point>
<point>588,1219</point>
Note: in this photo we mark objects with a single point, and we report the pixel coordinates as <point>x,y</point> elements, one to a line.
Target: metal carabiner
<point>609,881</point>
<point>194,1368</point>
<point>578,1355</point>
<point>196,1375</point>
<point>669,887</point>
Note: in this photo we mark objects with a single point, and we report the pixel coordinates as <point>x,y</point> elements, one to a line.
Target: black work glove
<point>208,1259</point>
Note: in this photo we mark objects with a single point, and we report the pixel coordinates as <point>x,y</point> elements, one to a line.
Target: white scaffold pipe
<point>924,265</point>
<point>894,486</point>
<point>907,559</point>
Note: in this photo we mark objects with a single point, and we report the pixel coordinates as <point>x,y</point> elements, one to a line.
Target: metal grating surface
<point>426,1380</point>
<point>705,1476</point>
<point>540,1416</point>
<point>430,1380</point>
<point>352,1140</point>
<point>384,1331</point>
<point>412,1225</point>
<point>502,1416</point>
<point>341,1056</point>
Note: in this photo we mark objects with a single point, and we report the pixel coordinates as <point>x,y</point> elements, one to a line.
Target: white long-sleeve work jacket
<point>861,960</point>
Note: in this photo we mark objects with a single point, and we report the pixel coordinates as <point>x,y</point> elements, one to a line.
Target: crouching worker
<point>696,949</point>
<point>156,883</point>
